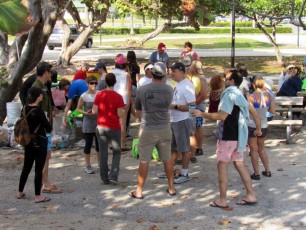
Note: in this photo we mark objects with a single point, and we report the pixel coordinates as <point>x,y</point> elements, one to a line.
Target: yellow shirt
<point>196,81</point>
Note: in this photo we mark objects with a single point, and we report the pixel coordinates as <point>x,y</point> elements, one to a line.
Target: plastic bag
<point>135,152</point>
<point>59,97</point>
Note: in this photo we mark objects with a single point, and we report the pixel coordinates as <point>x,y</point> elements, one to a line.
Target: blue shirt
<point>159,57</point>
<point>77,88</point>
<point>291,86</point>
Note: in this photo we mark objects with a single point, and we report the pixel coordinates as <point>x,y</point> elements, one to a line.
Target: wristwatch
<point>176,107</point>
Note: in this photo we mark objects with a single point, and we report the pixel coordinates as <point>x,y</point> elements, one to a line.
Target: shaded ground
<point>87,204</point>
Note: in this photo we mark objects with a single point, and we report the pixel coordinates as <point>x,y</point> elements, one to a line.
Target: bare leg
<point>174,155</point>
<point>186,160</point>
<point>254,154</point>
<point>87,159</point>
<point>246,179</point>
<point>45,179</point>
<point>223,182</point>
<point>168,166</point>
<point>123,128</point>
<point>179,157</point>
<point>263,154</point>
<point>193,145</point>
<point>142,176</point>
<point>199,137</point>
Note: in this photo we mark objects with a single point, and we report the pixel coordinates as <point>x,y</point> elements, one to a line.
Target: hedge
<point>207,30</point>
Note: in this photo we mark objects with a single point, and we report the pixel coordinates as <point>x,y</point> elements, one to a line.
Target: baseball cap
<point>187,60</point>
<point>148,66</point>
<point>161,46</point>
<point>178,65</point>
<point>99,65</point>
<point>120,59</point>
<point>159,69</point>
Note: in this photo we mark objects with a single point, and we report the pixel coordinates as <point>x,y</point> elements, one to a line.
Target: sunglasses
<point>292,68</point>
<point>93,83</point>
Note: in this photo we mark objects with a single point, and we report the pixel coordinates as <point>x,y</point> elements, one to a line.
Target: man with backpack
<point>44,72</point>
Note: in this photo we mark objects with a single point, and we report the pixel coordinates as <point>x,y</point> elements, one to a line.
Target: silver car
<point>56,38</point>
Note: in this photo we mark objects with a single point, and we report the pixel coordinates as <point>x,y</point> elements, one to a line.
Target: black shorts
<point>264,132</point>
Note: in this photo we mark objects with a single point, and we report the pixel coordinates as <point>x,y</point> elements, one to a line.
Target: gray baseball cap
<point>159,69</point>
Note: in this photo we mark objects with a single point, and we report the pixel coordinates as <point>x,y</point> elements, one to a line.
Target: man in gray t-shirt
<point>152,106</point>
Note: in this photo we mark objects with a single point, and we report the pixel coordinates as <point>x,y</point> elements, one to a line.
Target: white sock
<point>184,172</point>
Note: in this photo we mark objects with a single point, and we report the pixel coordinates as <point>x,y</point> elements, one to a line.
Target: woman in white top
<point>123,86</point>
<point>262,102</point>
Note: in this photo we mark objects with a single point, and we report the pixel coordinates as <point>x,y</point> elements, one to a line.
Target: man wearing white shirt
<point>147,79</point>
<point>183,96</point>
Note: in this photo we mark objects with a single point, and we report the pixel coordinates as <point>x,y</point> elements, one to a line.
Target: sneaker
<point>98,168</point>
<point>161,175</point>
<point>199,152</point>
<point>181,179</point>
<point>89,170</point>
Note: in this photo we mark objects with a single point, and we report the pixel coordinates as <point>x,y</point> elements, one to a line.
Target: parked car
<point>56,38</point>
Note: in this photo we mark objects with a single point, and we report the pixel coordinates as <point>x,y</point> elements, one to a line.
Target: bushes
<point>206,30</point>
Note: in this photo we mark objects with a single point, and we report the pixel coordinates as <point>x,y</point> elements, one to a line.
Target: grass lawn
<point>198,43</point>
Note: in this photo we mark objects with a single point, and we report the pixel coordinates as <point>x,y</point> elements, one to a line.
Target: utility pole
<point>233,34</point>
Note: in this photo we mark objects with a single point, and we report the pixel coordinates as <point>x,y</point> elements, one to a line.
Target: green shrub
<point>206,30</point>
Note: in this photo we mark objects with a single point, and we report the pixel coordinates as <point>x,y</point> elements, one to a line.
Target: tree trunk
<point>98,18</point>
<point>159,30</point>
<point>37,39</point>
<point>65,42</point>
<point>4,48</point>
<point>272,40</point>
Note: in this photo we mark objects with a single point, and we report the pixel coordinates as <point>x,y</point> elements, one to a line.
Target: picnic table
<point>285,104</point>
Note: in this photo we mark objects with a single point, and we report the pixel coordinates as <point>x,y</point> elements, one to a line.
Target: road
<point>95,54</point>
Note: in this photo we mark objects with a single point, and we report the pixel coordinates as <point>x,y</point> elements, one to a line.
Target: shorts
<point>49,146</point>
<point>227,151</point>
<point>200,120</point>
<point>181,135</point>
<point>148,139</point>
<point>264,132</point>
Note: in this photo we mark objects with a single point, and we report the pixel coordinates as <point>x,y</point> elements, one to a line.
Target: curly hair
<point>216,82</point>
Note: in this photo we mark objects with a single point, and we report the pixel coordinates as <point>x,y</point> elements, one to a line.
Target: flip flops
<point>132,195</point>
<point>215,205</point>
<point>245,202</point>
<point>53,190</point>
<point>46,199</point>
<point>171,194</point>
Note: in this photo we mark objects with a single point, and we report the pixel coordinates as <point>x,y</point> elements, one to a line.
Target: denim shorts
<point>49,146</point>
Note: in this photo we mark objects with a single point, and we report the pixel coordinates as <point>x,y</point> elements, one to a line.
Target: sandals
<point>267,174</point>
<point>255,177</point>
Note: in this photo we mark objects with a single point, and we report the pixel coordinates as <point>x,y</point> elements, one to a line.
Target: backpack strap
<point>25,116</point>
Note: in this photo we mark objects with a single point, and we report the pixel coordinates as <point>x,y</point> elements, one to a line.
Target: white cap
<point>150,66</point>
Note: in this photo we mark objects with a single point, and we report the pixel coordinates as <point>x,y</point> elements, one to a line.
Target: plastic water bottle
<point>192,118</point>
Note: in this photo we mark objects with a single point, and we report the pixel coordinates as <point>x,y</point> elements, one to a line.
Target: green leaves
<point>14,17</point>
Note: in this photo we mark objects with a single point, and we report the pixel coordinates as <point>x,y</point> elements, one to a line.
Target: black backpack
<point>22,130</point>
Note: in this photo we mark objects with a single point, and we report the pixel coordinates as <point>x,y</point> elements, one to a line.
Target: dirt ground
<point>88,204</point>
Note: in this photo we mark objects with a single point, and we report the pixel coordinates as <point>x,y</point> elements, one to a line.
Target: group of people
<point>169,103</point>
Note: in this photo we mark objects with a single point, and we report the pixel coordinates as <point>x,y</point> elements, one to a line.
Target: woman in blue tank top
<point>262,102</point>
